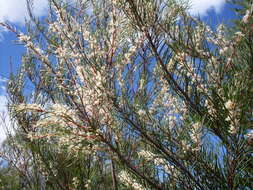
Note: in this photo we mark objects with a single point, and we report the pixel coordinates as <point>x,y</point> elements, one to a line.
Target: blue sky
<point>14,12</point>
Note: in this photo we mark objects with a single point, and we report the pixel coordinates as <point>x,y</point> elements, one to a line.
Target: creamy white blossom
<point>230,105</point>
<point>246,17</point>
<point>125,178</point>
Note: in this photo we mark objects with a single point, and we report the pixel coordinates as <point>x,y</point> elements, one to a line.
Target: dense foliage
<point>131,94</point>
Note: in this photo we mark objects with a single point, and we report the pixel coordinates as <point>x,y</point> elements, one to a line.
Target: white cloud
<point>4,119</point>
<point>15,11</point>
<point>202,6</point>
<point>3,79</point>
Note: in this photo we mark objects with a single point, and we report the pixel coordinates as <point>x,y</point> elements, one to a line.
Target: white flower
<point>246,17</point>
<point>196,126</point>
<point>31,136</point>
<point>146,155</point>
<point>223,50</point>
<point>214,60</point>
<point>80,71</point>
<point>75,182</point>
<point>239,34</point>
<point>232,129</point>
<point>86,35</point>
<point>61,52</point>
<point>24,38</point>
<point>29,107</point>
<point>141,112</point>
<point>149,156</point>
<point>230,105</point>
<point>53,27</point>
<point>125,178</point>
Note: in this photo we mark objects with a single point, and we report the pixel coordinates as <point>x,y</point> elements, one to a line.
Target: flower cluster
<point>149,156</point>
<point>196,135</point>
<point>232,117</point>
<point>29,107</point>
<point>125,178</point>
<point>247,16</point>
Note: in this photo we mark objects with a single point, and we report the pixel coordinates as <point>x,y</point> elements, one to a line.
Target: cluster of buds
<point>232,116</point>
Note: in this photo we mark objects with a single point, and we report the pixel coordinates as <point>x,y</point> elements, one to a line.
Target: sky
<point>14,12</point>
